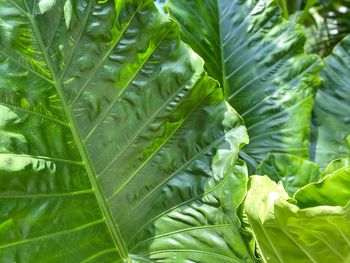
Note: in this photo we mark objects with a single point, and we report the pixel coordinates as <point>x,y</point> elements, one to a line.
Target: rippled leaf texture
<point>294,172</point>
<point>323,192</point>
<point>336,165</point>
<point>331,134</point>
<point>313,227</point>
<point>259,60</point>
<point>114,144</point>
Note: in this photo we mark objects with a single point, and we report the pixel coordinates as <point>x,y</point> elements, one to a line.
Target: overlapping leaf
<point>331,133</point>
<point>259,61</point>
<point>312,227</point>
<point>336,165</point>
<point>294,172</point>
<point>287,233</point>
<point>115,146</point>
<point>330,25</point>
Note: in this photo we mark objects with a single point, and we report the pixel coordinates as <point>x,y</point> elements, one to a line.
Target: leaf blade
<point>271,85</point>
<point>155,112</point>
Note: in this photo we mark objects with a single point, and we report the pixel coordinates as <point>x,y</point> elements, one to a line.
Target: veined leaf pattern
<point>115,146</point>
<point>259,60</point>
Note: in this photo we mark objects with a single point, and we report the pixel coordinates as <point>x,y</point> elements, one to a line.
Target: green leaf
<point>259,60</point>
<point>333,190</point>
<point>287,233</point>
<point>294,172</point>
<point>336,165</point>
<point>299,12</point>
<point>283,5</point>
<point>332,25</point>
<point>332,107</point>
<point>114,146</point>
<point>46,5</point>
<point>68,9</point>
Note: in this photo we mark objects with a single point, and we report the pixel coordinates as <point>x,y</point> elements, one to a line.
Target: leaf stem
<point>283,5</point>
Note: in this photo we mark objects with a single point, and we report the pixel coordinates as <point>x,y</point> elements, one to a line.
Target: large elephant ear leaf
<point>312,228</point>
<point>259,60</point>
<point>114,145</point>
<point>331,133</point>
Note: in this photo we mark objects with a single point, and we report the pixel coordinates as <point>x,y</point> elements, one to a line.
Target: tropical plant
<point>310,226</point>
<point>331,132</point>
<point>258,58</point>
<point>306,217</point>
<point>115,146</point>
<point>332,24</point>
<point>119,143</point>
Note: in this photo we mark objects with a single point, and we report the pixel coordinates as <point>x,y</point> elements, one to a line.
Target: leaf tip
<point>46,5</point>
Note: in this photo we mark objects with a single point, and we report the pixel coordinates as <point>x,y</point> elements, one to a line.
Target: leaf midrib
<point>112,226</point>
<point>222,56</point>
<point>51,235</point>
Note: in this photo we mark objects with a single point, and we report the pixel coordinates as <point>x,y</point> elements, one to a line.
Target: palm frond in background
<point>326,22</point>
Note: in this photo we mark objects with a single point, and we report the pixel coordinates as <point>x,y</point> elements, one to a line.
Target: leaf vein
<point>52,235</point>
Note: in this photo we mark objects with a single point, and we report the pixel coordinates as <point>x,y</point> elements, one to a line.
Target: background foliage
<point>186,131</point>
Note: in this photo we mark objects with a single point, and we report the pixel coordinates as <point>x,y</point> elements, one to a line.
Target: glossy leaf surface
<point>336,165</point>
<point>259,61</point>
<point>333,190</point>
<point>292,171</point>
<point>331,134</point>
<point>114,146</point>
<point>287,233</point>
